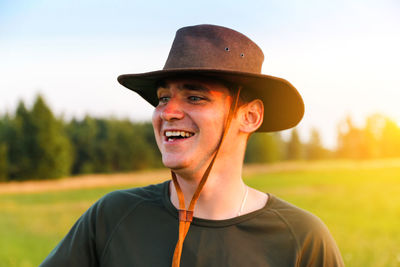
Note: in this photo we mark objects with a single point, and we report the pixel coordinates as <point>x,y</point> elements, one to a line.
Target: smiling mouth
<point>176,135</point>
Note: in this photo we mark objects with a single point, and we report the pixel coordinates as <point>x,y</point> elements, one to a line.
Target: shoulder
<point>115,206</point>
<point>104,218</point>
<point>314,241</point>
<point>121,201</point>
<point>87,240</point>
<point>301,222</point>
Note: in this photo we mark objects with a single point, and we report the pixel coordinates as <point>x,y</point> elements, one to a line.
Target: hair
<point>244,97</point>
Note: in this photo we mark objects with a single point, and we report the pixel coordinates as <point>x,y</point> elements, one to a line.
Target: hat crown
<point>212,47</point>
<point>221,53</point>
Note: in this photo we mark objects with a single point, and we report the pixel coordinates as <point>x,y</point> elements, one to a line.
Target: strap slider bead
<point>185,215</point>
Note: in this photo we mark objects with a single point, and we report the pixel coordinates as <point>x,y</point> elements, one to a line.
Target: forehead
<point>205,85</point>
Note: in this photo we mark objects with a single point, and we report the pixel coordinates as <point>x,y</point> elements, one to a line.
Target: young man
<point>208,99</point>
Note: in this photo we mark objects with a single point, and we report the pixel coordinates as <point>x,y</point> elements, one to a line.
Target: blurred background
<point>63,113</point>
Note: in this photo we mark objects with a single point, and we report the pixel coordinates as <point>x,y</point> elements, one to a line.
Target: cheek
<point>155,116</point>
<point>212,122</point>
<point>156,120</point>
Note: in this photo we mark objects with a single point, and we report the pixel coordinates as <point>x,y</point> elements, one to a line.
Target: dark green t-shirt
<point>139,228</point>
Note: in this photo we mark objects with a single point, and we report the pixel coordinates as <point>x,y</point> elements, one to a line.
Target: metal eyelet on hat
<point>227,49</point>
<point>242,54</point>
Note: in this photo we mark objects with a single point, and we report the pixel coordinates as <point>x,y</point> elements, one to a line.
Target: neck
<point>222,195</point>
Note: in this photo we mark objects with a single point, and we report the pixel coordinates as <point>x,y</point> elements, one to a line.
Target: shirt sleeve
<point>78,247</point>
<point>318,248</point>
<point>86,242</point>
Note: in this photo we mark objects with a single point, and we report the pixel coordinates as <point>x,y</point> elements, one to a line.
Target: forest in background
<point>35,144</point>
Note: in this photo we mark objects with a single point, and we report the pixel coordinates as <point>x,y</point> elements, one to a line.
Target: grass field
<point>359,201</point>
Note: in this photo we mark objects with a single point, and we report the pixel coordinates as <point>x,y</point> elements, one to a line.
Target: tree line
<point>35,144</point>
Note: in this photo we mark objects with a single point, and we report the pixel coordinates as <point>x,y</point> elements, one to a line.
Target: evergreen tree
<point>315,150</point>
<point>3,162</point>
<point>373,133</point>
<point>263,148</point>
<point>51,150</point>
<point>294,147</point>
<point>123,146</point>
<point>3,151</point>
<point>351,141</point>
<point>390,140</point>
<point>83,136</point>
<point>109,145</point>
<point>149,138</point>
<point>20,144</point>
<point>131,149</point>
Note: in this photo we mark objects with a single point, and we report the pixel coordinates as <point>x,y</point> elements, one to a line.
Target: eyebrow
<point>194,87</point>
<point>186,86</point>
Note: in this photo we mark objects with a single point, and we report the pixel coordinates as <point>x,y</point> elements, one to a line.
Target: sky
<point>342,56</point>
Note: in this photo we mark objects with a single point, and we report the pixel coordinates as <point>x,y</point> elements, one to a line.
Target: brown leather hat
<point>222,53</point>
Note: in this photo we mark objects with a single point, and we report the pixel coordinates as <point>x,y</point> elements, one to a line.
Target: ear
<point>251,116</point>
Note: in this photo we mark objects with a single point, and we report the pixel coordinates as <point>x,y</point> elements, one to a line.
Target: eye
<point>163,99</point>
<point>195,98</point>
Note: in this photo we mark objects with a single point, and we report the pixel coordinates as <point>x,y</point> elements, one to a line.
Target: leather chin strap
<point>186,216</point>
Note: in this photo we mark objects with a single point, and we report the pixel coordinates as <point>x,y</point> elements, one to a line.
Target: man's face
<point>189,120</point>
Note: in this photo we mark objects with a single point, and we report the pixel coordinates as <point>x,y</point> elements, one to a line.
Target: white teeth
<point>177,133</point>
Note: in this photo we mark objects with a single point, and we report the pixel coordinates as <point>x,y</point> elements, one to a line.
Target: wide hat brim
<point>283,105</point>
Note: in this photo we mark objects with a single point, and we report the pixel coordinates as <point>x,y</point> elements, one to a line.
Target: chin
<point>173,164</point>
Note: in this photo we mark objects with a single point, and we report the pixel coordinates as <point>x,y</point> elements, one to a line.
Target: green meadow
<point>359,202</point>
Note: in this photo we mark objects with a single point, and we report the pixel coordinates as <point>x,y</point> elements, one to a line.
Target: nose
<point>172,110</point>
